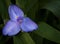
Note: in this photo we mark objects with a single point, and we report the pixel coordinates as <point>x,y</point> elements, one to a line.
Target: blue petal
<point>15,12</point>
<point>11,28</point>
<point>28,25</point>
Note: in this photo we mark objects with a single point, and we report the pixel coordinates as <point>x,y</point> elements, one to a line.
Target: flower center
<point>19,19</point>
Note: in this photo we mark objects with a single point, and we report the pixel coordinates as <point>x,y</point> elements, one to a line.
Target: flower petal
<point>28,25</point>
<point>15,12</point>
<point>11,28</point>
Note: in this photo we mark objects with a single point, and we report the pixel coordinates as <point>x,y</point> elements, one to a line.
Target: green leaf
<point>54,7</point>
<point>23,38</point>
<point>48,32</point>
<point>4,10</point>
<point>37,38</point>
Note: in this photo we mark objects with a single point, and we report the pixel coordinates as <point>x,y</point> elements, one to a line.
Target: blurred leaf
<point>53,6</point>
<point>37,38</point>
<point>3,39</point>
<point>4,10</point>
<point>7,2</point>
<point>48,32</point>
<point>23,38</point>
<point>26,5</point>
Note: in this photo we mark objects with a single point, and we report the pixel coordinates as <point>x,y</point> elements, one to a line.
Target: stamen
<point>16,16</point>
<point>20,21</point>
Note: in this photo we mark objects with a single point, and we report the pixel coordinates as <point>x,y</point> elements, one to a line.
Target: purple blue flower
<point>18,22</point>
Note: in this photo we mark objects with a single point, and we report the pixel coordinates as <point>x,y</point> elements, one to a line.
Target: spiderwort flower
<point>18,22</point>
